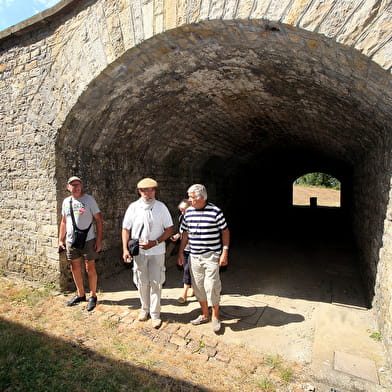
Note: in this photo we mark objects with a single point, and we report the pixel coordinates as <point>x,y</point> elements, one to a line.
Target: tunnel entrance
<point>241,107</point>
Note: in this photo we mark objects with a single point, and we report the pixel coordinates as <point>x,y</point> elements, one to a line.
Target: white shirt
<point>161,220</point>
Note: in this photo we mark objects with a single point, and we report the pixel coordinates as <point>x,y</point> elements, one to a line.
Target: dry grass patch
<point>47,346</point>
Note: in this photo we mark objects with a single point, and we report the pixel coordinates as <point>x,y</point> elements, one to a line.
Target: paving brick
<point>183,332</point>
<point>178,340</point>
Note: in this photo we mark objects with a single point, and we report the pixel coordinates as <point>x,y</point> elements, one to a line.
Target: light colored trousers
<point>206,281</point>
<point>149,276</point>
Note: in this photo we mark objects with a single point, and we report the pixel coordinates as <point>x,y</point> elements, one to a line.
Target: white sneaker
<point>156,323</point>
<point>216,325</point>
<point>200,320</point>
<point>143,316</point>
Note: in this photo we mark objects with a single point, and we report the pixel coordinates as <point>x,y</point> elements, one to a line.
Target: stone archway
<point>224,93</point>
<point>224,102</point>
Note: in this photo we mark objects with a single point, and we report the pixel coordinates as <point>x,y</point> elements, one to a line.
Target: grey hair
<point>199,190</point>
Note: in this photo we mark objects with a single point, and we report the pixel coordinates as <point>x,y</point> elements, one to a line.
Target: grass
<point>376,336</point>
<point>34,362</point>
<point>275,361</point>
<point>26,295</point>
<point>266,385</point>
<point>46,346</point>
<point>286,374</point>
<point>279,367</point>
<point>31,361</point>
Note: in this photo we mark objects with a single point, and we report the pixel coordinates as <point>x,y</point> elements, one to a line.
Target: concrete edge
<point>40,19</point>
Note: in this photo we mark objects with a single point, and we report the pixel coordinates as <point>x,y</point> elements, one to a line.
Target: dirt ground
<point>325,197</point>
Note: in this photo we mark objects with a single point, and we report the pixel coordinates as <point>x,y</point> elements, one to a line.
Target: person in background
<point>148,220</point>
<point>85,211</point>
<point>184,204</point>
<point>204,227</point>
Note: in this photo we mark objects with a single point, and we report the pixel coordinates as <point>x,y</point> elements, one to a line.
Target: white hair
<point>199,190</point>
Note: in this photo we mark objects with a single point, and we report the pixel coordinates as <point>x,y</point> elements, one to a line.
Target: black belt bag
<point>79,235</point>
<point>133,245</point>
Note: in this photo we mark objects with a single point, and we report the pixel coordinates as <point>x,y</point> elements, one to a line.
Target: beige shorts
<point>88,252</point>
<point>206,281</point>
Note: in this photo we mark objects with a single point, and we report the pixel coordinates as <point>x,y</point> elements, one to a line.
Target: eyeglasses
<point>146,190</point>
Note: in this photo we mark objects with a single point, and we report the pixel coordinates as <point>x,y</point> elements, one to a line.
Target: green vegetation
<point>321,180</point>
<point>28,295</point>
<point>286,374</point>
<point>266,385</point>
<point>276,363</point>
<point>376,336</point>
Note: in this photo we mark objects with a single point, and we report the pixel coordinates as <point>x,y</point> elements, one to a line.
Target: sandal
<point>181,300</point>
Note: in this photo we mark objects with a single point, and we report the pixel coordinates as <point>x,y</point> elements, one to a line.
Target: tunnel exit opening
<point>316,190</point>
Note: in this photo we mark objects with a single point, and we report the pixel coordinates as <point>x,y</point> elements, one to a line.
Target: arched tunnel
<point>244,107</point>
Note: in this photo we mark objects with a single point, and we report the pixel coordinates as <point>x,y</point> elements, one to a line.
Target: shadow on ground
<point>322,270</point>
<point>32,360</point>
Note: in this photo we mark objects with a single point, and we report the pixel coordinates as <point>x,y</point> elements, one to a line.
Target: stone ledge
<point>38,20</point>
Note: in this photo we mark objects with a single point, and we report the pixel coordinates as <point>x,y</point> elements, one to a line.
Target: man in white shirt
<point>148,220</point>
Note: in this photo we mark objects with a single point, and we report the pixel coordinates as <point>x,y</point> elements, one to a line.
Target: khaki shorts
<point>206,281</point>
<point>88,252</point>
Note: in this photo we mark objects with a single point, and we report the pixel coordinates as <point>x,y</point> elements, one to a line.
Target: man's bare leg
<point>204,309</point>
<point>215,312</point>
<point>76,269</point>
<point>92,277</point>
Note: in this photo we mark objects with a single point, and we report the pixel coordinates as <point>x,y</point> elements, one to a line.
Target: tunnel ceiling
<point>204,89</point>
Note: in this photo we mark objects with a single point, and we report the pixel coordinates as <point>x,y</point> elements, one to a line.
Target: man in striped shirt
<point>205,228</point>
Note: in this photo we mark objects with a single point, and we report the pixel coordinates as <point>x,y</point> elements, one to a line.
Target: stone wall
<point>115,90</point>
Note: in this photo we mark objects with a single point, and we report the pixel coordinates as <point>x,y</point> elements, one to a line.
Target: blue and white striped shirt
<point>204,228</point>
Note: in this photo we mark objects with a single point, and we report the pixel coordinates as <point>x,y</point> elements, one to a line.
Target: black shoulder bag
<point>80,236</point>
<point>133,245</point>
